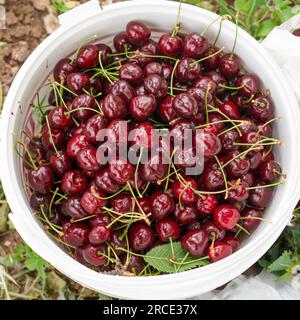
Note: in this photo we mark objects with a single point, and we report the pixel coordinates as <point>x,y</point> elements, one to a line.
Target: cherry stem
<point>51,137</point>
<point>59,240</point>
<point>49,222</point>
<point>102,68</point>
<point>220,85</point>
<point>255,218</point>
<point>229,129</point>
<point>177,25</point>
<point>89,39</point>
<point>146,188</point>
<point>243,229</point>
<point>169,170</point>
<point>93,191</point>
<point>224,177</point>
<point>206,102</point>
<point>136,173</point>
<point>172,78</point>
<point>207,57</point>
<point>275,184</point>
<point>52,200</point>
<point>209,25</point>
<point>82,219</point>
<point>65,88</point>
<point>33,165</point>
<point>219,121</point>
<point>224,17</point>
<point>83,108</point>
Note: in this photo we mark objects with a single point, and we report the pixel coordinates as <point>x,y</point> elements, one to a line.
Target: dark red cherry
<point>117,131</point>
<point>185,191</point>
<point>71,207</point>
<point>212,178</point>
<point>122,203</point>
<point>187,70</point>
<point>167,70</point>
<point>135,264</point>
<point>118,242</point>
<point>92,200</point>
<point>218,79</point>
<point>123,89</point>
<point>238,191</point>
<point>74,131</point>
<point>181,130</point>
<point>93,126</point>
<point>296,32</point>
<point>199,94</point>
<point>77,81</point>
<point>153,68</point>
<point>37,154</point>
<point>76,235</point>
<point>166,110</point>
<point>255,159</point>
<point>230,110</point>
<point>142,135</point>
<point>99,234</point>
<point>214,233</point>
<point>234,242</point>
<point>41,179</point>
<point>146,51</point>
<point>186,215</point>
<point>137,32</point>
<point>156,85</point>
<point>162,204</point>
<point>144,203</point>
<point>247,126</point>
<point>265,130</point>
<point>114,107</point>
<point>219,251</point>
<point>195,242</point>
<point>208,144</point>
<point>83,105</point>
<point>228,140</point>
<point>132,73</point>
<point>100,218</point>
<point>251,218</point>
<point>249,84</point>
<point>50,139</point>
<point>206,204</point>
<point>248,178</point>
<point>87,160</point>
<point>37,200</point>
<point>120,170</point>
<point>226,217</point>
<point>211,63</point>
<point>169,45</point>
<point>230,65</point>
<point>58,119</point>
<point>142,107</point>
<point>105,52</point>
<point>95,255</point>
<point>153,168</point>
<point>75,144</point>
<point>237,167</point>
<point>62,69</point>
<point>261,108</point>
<point>185,105</point>
<point>186,158</point>
<point>88,57</point>
<point>121,42</point>
<point>140,236</point>
<point>60,163</point>
<point>269,171</point>
<point>166,229</point>
<point>105,183</point>
<point>73,182</point>
<point>207,84</point>
<point>195,45</point>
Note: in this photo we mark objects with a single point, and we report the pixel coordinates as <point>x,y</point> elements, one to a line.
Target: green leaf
<point>265,28</point>
<point>282,263</point>
<point>160,258</point>
<point>224,8</point>
<point>287,276</point>
<point>264,263</point>
<point>242,5</point>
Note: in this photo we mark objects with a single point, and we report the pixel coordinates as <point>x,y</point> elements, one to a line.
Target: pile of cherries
<point>111,215</point>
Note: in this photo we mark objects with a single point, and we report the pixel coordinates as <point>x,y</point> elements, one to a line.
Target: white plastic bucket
<point>159,15</point>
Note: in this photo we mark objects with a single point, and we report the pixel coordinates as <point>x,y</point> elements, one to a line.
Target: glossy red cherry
<point>181,130</point>
<point>140,236</point>
<point>169,45</point>
<point>226,217</point>
<point>87,160</point>
<point>251,218</point>
<point>75,144</point>
<point>206,204</point>
<point>137,32</point>
<point>71,207</point>
<point>153,68</point>
<point>122,203</point>
<point>114,107</point>
<point>117,132</point>
<point>207,144</point>
<point>229,140</point>
<point>186,215</point>
<point>261,108</point>
<point>142,135</point>
<point>269,171</point>
<point>146,51</point>
<point>166,110</point>
<point>84,105</point>
<point>60,163</point>
<point>195,242</point>
<point>211,63</point>
<point>38,155</point>
<point>166,229</point>
<point>219,251</point>
<point>77,81</point>
<point>207,84</point>
<point>195,45</point>
<point>88,57</point>
<point>185,105</point>
<point>187,70</point>
<point>121,42</point>
<point>237,167</point>
<point>105,182</point>
<point>37,200</point>
<point>41,179</point>
<point>238,191</point>
<point>230,110</point>
<point>99,234</point>
<point>100,218</point>
<point>58,119</point>
<point>135,265</point>
<point>132,73</point>
<point>73,182</point>
<point>214,232</point>
<point>62,69</point>
<point>95,255</point>
<point>49,139</point>
<point>249,84</point>
<point>153,168</point>
<point>120,170</point>
<point>156,85</point>
<point>230,65</point>
<point>93,126</point>
<point>105,53</point>
<point>92,200</point>
<point>184,191</point>
<point>161,204</point>
<point>234,242</point>
<point>142,107</point>
<point>124,90</point>
<point>260,197</point>
<point>77,234</point>
<point>212,178</point>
